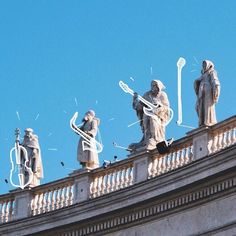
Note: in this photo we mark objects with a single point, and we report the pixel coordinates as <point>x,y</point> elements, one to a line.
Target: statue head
<point>89,115</point>
<point>157,86</point>
<point>28,132</point>
<point>207,66</point>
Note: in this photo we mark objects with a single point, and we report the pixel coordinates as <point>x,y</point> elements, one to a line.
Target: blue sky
<point>52,52</point>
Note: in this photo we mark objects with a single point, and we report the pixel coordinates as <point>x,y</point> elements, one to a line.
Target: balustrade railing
<point>222,135</point>
<point>179,155</point>
<point>52,197</point>
<point>6,209</point>
<point>111,179</point>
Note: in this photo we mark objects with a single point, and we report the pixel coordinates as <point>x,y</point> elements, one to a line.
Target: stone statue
<point>207,89</point>
<point>153,126</point>
<point>87,152</point>
<point>31,144</point>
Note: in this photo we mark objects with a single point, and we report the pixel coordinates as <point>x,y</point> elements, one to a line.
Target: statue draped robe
<point>207,89</point>
<point>153,127</point>
<point>88,157</point>
<point>35,162</point>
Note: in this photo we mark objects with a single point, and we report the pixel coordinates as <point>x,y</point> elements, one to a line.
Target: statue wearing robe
<point>31,144</point>
<point>153,127</point>
<point>87,153</point>
<point>207,89</point>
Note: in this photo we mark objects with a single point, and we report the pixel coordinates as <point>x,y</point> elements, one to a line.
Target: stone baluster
<point>66,196</point>
<point>159,164</point>
<point>34,205</point>
<point>117,182</point>
<point>108,182</point>
<point>224,138</point>
<point>228,137</point>
<point>126,177</point>
<point>112,181</point>
<point>85,196</point>
<point>121,178</point>
<point>182,159</point>
<point>55,199</point>
<point>131,175</point>
<point>234,136</point>
<point>46,207</point>
<point>100,184</point>
<point>39,203</point>
<point>214,143</point>
<point>219,143</point>
<point>186,155</point>
<point>172,162</point>
<point>2,212</point>
<point>6,212</point>
<point>177,160</point>
<point>163,164</point>
<point>103,183</point>
<point>93,187</point>
<point>66,189</point>
<point>174,157</point>
<point>42,202</point>
<point>168,162</point>
<point>155,167</point>
<point>59,194</point>
<point>126,182</point>
<point>11,210</point>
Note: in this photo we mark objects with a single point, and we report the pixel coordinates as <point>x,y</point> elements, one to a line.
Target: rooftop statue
<point>88,147</point>
<point>31,144</point>
<point>207,89</point>
<point>153,111</point>
<point>27,161</point>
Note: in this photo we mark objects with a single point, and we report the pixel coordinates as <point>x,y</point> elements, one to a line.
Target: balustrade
<point>6,209</point>
<point>52,198</point>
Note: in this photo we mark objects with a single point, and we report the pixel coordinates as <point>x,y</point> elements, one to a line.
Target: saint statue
<point>152,125</point>
<point>87,153</point>
<point>207,89</point>
<point>31,144</point>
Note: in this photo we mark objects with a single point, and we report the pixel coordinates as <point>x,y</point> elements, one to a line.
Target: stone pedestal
<point>81,185</point>
<point>141,169</point>
<point>200,142</point>
<point>22,203</point>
